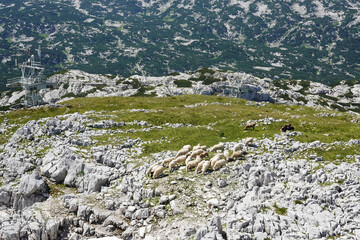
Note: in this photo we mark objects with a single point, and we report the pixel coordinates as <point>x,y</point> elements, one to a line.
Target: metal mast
<point>31,81</point>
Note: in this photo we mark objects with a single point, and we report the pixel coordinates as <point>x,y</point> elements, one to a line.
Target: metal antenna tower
<point>31,80</point>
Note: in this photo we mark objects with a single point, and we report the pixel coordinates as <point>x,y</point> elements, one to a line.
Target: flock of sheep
<point>197,158</point>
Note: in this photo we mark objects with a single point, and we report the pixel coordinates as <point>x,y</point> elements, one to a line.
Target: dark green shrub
<point>328,97</point>
<point>301,99</point>
<point>285,96</point>
<point>183,83</point>
<point>174,74</point>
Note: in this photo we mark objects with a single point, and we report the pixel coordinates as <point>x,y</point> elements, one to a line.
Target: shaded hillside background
<point>312,40</point>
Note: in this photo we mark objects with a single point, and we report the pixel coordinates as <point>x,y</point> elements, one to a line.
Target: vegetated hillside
<point>310,40</point>
<point>78,170</point>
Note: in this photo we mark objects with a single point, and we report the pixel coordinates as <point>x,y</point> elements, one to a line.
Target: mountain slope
<point>311,40</point>
<point>78,171</point>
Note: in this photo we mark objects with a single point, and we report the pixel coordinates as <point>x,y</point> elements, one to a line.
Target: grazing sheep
<point>181,159</point>
<point>197,147</point>
<point>193,163</point>
<point>205,167</point>
<point>238,147</point>
<point>287,127</point>
<point>151,174</point>
<point>199,166</point>
<point>219,146</point>
<point>204,155</point>
<point>182,151</point>
<point>188,159</point>
<point>248,141</point>
<point>159,170</point>
<point>219,164</point>
<point>227,155</point>
<point>187,147</point>
<point>215,158</point>
<point>197,152</point>
<point>151,169</point>
<point>177,161</point>
<point>166,162</point>
<point>237,155</point>
<point>250,125</point>
<point>172,165</point>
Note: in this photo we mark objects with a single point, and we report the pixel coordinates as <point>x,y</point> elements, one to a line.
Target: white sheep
<point>197,147</point>
<point>237,147</point>
<point>172,165</point>
<point>182,151</point>
<point>151,174</point>
<point>205,167</point>
<point>215,158</point>
<point>177,161</point>
<point>197,152</point>
<point>250,125</point>
<point>166,162</point>
<point>219,146</point>
<point>151,169</point>
<point>193,163</point>
<point>199,166</point>
<point>188,159</point>
<point>181,159</point>
<point>248,141</point>
<point>227,155</point>
<point>237,155</point>
<point>159,170</point>
<point>187,147</point>
<point>220,163</point>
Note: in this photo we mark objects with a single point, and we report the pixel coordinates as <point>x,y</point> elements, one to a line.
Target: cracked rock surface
<point>60,183</point>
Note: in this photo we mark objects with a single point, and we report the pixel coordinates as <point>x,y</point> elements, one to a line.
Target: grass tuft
<point>279,210</point>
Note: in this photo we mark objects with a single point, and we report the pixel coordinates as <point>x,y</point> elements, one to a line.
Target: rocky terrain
<point>78,174</point>
<point>74,83</point>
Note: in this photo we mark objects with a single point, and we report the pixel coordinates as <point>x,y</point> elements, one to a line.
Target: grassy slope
<point>214,121</point>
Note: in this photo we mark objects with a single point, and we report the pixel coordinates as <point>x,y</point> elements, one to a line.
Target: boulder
<point>31,184</point>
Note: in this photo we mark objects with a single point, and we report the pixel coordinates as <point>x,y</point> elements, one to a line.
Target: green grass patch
<point>168,19</point>
<point>44,35</point>
<point>280,210</point>
<point>215,122</point>
<point>56,190</point>
<point>264,209</point>
<point>337,154</point>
